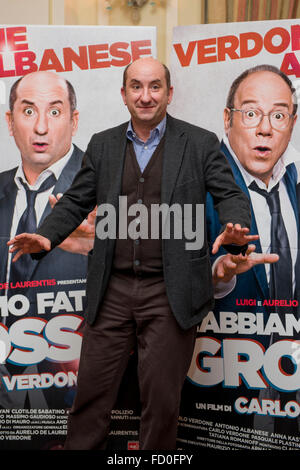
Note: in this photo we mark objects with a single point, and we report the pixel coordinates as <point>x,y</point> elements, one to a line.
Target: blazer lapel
<point>115,161</point>
<point>175,141</point>
<point>7,205</point>
<point>290,179</point>
<point>258,270</point>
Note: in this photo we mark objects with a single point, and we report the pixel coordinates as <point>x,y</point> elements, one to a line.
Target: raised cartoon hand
<point>28,243</point>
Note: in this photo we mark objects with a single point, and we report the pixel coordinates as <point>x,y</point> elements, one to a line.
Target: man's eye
<point>54,112</point>
<point>28,111</point>
<point>251,113</point>
<point>278,116</point>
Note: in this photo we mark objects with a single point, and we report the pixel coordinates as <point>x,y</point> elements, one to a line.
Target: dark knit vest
<point>140,255</point>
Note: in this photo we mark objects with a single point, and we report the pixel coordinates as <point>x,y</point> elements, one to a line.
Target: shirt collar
<point>158,131</point>
<point>291,155</point>
<point>54,169</point>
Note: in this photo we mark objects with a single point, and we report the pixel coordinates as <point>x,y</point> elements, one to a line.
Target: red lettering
<point>81,59</point>
<point>285,40</point>
<point>290,65</point>
<point>97,55</point>
<point>117,50</point>
<point>92,56</point>
<point>24,62</point>
<point>2,39</point>
<point>185,58</point>
<point>227,45</point>
<point>5,73</point>
<point>16,37</point>
<point>244,44</point>
<point>295,33</point>
<point>140,48</point>
<point>50,61</point>
<point>204,49</point>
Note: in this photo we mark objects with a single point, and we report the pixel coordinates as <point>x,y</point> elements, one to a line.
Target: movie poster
<point>242,389</point>
<point>42,310</point>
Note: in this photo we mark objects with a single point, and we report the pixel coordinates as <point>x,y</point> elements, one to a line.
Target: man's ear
<point>170,94</point>
<point>9,120</point>
<point>75,118</point>
<point>227,118</point>
<point>123,93</point>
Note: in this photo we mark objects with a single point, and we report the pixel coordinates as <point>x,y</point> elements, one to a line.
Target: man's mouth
<point>145,106</point>
<point>40,146</point>
<point>262,150</point>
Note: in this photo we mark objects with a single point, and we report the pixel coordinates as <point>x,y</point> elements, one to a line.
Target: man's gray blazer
<point>192,165</point>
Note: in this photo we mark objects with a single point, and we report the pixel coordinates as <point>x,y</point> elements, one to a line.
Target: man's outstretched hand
<point>229,265</point>
<point>233,234</point>
<point>28,243</point>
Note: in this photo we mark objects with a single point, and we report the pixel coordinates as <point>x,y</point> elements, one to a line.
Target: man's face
<point>259,148</point>
<point>41,121</point>
<point>146,94</point>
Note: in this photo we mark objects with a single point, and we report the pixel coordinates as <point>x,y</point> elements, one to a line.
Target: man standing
<point>259,119</point>
<point>42,120</point>
<point>145,291</point>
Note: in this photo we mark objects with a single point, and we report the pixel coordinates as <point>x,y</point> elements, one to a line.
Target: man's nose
<point>264,127</point>
<point>41,124</point>
<point>145,95</point>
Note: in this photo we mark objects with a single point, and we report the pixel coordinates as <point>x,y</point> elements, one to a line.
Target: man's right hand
<point>229,265</point>
<point>28,243</point>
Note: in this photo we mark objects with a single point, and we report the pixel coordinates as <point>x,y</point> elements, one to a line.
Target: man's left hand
<point>233,234</point>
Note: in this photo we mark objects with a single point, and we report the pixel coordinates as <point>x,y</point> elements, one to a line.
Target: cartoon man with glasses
<point>259,118</point>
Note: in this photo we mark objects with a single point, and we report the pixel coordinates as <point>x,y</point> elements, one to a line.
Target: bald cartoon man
<point>42,119</point>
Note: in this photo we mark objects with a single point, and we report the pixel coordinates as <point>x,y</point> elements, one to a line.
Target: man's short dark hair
<point>70,88</point>
<point>258,68</point>
<point>167,75</point>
